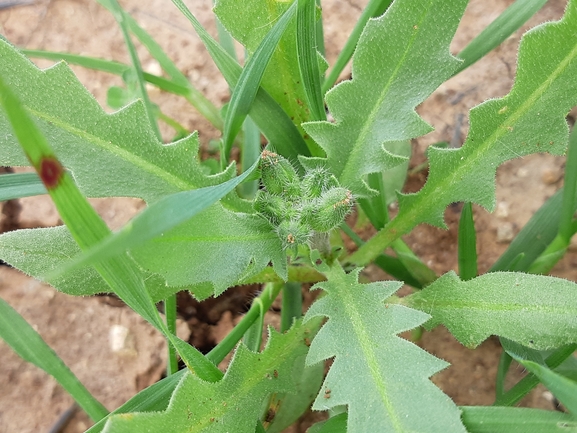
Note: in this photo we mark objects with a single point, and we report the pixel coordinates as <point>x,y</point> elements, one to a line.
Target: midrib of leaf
<point>357,146</point>
<point>405,220</point>
<point>487,306</point>
<point>116,150</point>
<point>223,239</point>
<point>366,346</point>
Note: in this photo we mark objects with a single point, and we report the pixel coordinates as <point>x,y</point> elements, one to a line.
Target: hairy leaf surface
<point>216,246</point>
<point>401,59</point>
<point>530,119</point>
<point>108,154</point>
<point>381,377</point>
<point>534,310</point>
<point>233,404</point>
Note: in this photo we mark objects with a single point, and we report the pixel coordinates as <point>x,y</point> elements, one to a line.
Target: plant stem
<point>266,299</point>
<point>292,305</point>
<point>170,313</point>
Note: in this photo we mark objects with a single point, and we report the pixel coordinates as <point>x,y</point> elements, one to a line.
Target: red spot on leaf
<point>50,172</point>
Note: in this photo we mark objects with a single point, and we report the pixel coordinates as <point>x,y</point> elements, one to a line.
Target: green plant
<point>206,229</point>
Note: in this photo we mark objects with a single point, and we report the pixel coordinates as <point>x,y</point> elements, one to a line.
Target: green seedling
<point>276,220</point>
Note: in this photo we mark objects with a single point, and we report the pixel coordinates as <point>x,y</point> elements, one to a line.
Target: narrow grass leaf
<point>160,217</point>
<point>386,384</point>
<point>235,402</point>
<point>533,238</point>
<point>530,119</point>
<point>28,344</point>
<point>374,8</point>
<point>561,387</point>
<point>121,274</point>
<point>196,98</point>
<point>120,17</point>
<point>249,21</point>
<point>530,381</point>
<point>152,399</point>
<point>271,119</point>
<point>249,81</point>
<point>109,155</point>
<point>467,244</point>
<point>480,419</point>
<point>251,149</point>
<point>500,29</point>
<point>18,185</point>
<point>307,56</point>
<point>536,311</point>
<point>378,104</point>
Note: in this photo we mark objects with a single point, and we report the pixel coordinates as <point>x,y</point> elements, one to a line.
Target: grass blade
<point>18,185</point>
<point>467,244</point>
<point>192,95</point>
<point>249,82</point>
<point>121,274</point>
<point>271,119</point>
<point>308,57</point>
<point>250,154</point>
<point>375,8</point>
<point>28,344</point>
<point>481,419</point>
<point>569,190</point>
<point>500,29</point>
<point>120,17</point>
<point>564,389</point>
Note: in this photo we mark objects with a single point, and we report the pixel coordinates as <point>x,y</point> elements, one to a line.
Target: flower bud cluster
<point>295,207</point>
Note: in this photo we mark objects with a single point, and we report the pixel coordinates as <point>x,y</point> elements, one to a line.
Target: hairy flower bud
<point>317,181</point>
<point>272,207</point>
<point>279,176</point>
<point>329,210</point>
<point>293,233</point>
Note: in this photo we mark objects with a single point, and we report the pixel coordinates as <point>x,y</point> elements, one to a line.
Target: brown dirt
<point>31,401</point>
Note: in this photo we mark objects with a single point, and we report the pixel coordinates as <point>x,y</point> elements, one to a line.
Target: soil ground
<point>85,332</point>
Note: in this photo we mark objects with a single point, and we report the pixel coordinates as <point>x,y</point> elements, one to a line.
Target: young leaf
<point>108,154</point>
<point>536,311</point>
<point>27,343</point>
<point>400,59</point>
<point>234,403</point>
<point>530,119</point>
<point>385,384</point>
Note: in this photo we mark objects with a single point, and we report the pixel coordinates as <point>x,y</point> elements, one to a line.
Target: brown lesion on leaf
<point>50,172</point>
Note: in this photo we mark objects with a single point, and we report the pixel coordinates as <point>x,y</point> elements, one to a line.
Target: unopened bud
<point>279,176</point>
<point>329,210</point>
<point>292,233</point>
<point>272,207</point>
<point>317,181</point>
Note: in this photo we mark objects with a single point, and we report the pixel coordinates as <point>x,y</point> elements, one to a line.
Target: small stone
<point>505,232</point>
<point>549,177</point>
<point>502,209</point>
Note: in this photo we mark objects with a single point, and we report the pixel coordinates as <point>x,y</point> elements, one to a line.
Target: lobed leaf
<point>234,403</point>
<point>108,154</point>
<point>385,384</point>
<point>400,59</point>
<point>534,310</point>
<point>216,246</point>
<point>530,119</point>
